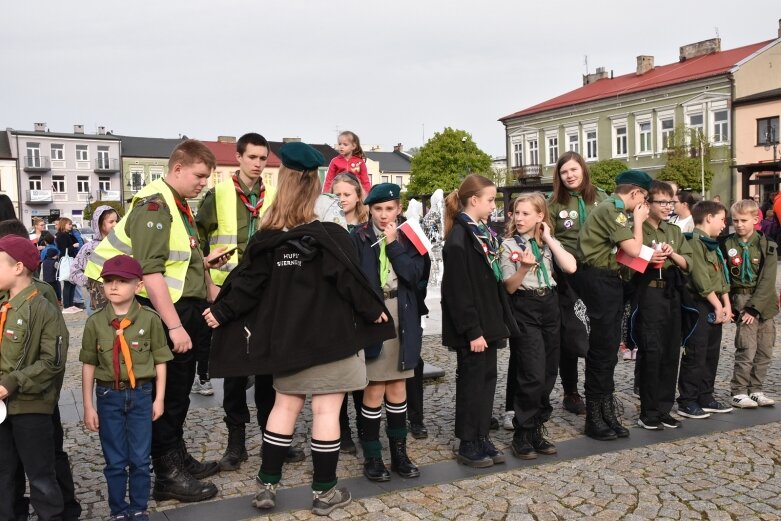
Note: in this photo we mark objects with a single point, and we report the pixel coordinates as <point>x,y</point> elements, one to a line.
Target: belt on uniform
<point>536,292</point>
<point>387,295</point>
<point>657,283</point>
<point>743,291</point>
<point>123,385</point>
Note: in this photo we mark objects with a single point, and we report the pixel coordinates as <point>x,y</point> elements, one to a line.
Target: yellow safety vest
<point>117,243</point>
<point>226,234</point>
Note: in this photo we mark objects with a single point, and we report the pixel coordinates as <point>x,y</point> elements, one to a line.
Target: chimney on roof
<point>398,148</point>
<point>40,127</point>
<point>226,139</point>
<point>291,139</point>
<point>601,74</point>
<point>101,131</point>
<point>702,48</point>
<point>644,64</point>
<point>78,129</point>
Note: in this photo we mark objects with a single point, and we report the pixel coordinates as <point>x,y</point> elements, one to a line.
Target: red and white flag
<point>414,233</point>
<point>638,263</point>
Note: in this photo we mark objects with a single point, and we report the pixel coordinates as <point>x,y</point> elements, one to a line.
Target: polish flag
<point>638,263</point>
<point>414,233</point>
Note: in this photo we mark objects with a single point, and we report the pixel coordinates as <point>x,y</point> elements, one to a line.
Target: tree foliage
<point>687,150</point>
<point>90,208</point>
<point>445,160</point>
<point>603,173</point>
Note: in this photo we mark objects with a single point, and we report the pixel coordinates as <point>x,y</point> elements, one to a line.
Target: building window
<point>57,153</point>
<point>82,153</point>
<point>104,183</point>
<point>553,149</point>
<point>398,181</point>
<point>644,137</point>
<point>767,131</point>
<point>667,127</point>
<point>591,144</point>
<point>35,182</point>
<point>384,179</point>
<point>136,178</point>
<point>720,126</point>
<point>695,126</point>
<point>82,184</point>
<point>517,154</point>
<point>370,180</point>
<point>155,173</point>
<point>33,155</point>
<point>103,158</point>
<point>620,140</point>
<point>58,184</point>
<point>573,143</point>
<point>534,153</point>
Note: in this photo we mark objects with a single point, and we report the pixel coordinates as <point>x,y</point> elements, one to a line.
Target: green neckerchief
<point>581,206</point>
<point>746,272</point>
<point>384,264</point>
<point>253,200</point>
<point>542,270</point>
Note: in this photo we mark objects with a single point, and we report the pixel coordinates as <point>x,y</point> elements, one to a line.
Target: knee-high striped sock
<point>275,447</point>
<point>370,433</point>
<point>325,457</point>
<point>396,415</point>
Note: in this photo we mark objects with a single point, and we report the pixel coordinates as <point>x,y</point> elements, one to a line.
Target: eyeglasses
<point>663,203</point>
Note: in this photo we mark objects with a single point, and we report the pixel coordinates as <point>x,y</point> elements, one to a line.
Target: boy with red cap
<point>124,351</point>
<point>33,347</point>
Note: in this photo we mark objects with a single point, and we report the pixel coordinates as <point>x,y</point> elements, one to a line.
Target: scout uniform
<point>708,274</point>
<point>656,326</point>
<point>752,268</point>
<point>602,290</point>
<point>33,351</point>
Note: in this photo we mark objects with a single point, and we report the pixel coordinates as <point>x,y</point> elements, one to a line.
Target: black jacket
<point>296,300</point>
<point>474,303</point>
<point>65,242</point>
<point>410,268</point>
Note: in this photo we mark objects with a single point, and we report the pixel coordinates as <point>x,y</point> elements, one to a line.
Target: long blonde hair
<point>455,201</point>
<point>361,211</point>
<point>538,201</point>
<point>294,203</point>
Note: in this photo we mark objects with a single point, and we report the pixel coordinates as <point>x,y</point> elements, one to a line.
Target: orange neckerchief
<point>4,314</point>
<point>120,344</point>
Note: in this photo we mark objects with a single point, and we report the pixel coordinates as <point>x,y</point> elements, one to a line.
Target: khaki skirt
<point>347,374</point>
<point>386,366</point>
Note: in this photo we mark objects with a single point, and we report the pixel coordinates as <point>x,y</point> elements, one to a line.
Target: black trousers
<point>512,380</point>
<point>574,335</point>
<point>700,360</point>
<point>538,359</point>
<point>475,387</point>
<point>656,325</point>
<point>415,395</point>
<point>603,294</point>
<point>180,373</point>
<point>235,399</point>
<point>29,438</point>
<point>344,419</point>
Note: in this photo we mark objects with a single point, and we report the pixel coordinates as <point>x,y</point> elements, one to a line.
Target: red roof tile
<point>226,154</point>
<point>679,72</point>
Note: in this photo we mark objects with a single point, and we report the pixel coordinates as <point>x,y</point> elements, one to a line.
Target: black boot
<point>195,468</point>
<point>540,444</point>
<point>374,470</point>
<point>491,451</point>
<point>236,452</point>
<point>400,462</point>
<point>472,454</point>
<point>522,444</point>
<point>172,481</point>
<point>595,426</point>
<point>611,412</point>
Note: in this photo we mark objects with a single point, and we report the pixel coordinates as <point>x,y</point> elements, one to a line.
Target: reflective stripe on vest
<point>118,242</point>
<point>226,234</point>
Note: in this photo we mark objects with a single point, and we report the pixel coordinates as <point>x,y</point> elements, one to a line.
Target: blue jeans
<point>126,437</point>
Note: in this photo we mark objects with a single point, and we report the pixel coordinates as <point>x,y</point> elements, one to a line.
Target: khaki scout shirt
<point>530,280</point>
<point>148,226</point>
<point>206,220</point>
<point>606,226</point>
<point>706,273</point>
<point>734,258</point>
<point>672,235</point>
<point>145,337</point>
<point>566,221</point>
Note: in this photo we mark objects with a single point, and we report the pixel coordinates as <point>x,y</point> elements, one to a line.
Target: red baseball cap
<point>122,266</point>
<point>21,250</point>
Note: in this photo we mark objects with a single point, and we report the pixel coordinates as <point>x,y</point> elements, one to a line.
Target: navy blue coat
<point>411,270</point>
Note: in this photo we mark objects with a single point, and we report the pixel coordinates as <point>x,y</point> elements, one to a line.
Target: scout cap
<point>634,177</point>
<point>21,250</point>
<point>300,156</point>
<point>122,266</point>
<point>383,192</point>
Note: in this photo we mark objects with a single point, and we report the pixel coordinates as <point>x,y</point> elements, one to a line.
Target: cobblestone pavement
<point>723,476</point>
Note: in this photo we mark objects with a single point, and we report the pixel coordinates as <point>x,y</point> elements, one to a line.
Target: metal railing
<point>36,163</point>
<point>106,165</point>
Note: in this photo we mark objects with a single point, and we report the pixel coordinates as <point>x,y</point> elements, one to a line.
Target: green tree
<point>90,209</point>
<point>445,160</point>
<point>687,150</point>
<point>603,173</point>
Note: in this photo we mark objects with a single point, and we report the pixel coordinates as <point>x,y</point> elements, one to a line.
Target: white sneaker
<point>508,420</point>
<point>196,388</point>
<point>743,402</point>
<point>71,310</point>
<point>206,388</point>
<point>762,400</point>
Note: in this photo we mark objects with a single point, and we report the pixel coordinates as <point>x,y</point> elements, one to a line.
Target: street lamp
<point>772,140</point>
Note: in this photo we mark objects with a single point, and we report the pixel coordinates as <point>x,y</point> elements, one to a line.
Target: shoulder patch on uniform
<point>153,202</point>
<point>621,219</point>
<point>771,248</point>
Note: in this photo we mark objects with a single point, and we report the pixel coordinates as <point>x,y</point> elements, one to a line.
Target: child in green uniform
<point>709,285</point>
<point>124,351</point>
<point>752,259</point>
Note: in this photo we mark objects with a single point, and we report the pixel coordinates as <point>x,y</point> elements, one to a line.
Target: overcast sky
<point>390,71</point>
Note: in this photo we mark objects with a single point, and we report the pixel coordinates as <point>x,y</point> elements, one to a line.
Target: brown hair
<point>37,221</point>
<point>63,222</point>
<point>361,212</point>
<point>294,203</point>
<point>705,208</point>
<point>456,200</point>
<point>192,151</point>
<point>745,206</point>
<point>538,201</point>
<point>561,193</point>
<point>660,187</point>
<point>358,152</point>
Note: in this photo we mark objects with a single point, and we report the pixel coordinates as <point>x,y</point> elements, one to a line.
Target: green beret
<point>300,156</point>
<point>383,192</point>
<point>634,177</point>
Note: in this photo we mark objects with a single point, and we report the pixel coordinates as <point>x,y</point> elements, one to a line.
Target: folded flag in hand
<point>638,263</point>
<point>412,230</point>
